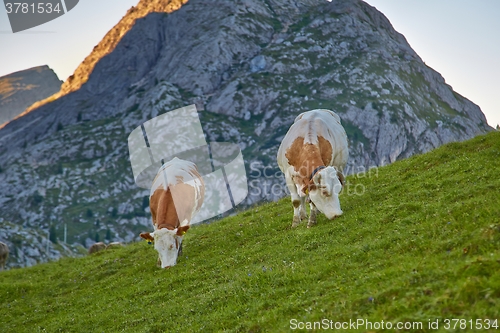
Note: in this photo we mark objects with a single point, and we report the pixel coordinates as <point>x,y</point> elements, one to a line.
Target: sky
<point>460,39</point>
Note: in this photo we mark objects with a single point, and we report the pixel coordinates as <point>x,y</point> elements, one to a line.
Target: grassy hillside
<point>419,240</point>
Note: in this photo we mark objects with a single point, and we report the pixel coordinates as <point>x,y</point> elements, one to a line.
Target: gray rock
<point>258,64</point>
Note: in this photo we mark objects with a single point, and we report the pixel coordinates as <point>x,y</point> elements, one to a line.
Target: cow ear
<point>147,236</point>
<point>182,230</point>
<point>305,189</point>
<point>309,187</point>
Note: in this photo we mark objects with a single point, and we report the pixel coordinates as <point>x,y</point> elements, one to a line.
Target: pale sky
<point>458,38</point>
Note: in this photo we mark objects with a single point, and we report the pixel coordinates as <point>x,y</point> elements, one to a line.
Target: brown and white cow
<point>176,197</point>
<point>313,155</point>
<point>4,255</point>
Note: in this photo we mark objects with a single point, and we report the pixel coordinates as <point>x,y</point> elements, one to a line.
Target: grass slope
<point>418,241</point>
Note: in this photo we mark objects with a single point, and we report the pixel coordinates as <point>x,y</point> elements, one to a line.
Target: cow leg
<point>179,253</point>
<point>312,216</point>
<point>297,210</point>
<point>302,209</point>
<point>299,213</point>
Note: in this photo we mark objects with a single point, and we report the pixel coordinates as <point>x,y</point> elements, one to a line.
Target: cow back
<point>176,195</point>
<point>314,132</point>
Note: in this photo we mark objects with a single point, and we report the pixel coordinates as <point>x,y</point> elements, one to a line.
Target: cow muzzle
<point>333,214</point>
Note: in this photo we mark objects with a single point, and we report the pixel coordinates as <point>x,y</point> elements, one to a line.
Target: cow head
<point>168,243</point>
<point>324,189</point>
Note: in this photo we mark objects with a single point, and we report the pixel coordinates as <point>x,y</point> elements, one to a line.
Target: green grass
<point>419,240</point>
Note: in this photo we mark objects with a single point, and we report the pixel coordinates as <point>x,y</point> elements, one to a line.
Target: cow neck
<point>321,167</point>
<point>308,168</point>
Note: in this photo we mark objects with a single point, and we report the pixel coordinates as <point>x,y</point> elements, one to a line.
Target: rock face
<point>21,89</point>
<point>252,65</point>
<point>30,246</point>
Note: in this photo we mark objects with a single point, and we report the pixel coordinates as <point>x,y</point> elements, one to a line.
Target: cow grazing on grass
<point>312,156</point>
<point>175,198</point>
<point>96,247</point>
<point>4,255</point>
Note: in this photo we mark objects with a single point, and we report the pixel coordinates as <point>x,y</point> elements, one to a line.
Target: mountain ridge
<point>107,45</point>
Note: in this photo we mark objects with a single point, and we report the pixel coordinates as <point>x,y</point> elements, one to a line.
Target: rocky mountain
<point>21,89</point>
<point>252,66</point>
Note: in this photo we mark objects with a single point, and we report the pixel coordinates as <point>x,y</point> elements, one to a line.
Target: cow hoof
<point>296,221</point>
<point>311,223</point>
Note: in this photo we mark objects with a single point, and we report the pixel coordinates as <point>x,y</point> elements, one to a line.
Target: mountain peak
<point>108,44</point>
<point>20,89</point>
